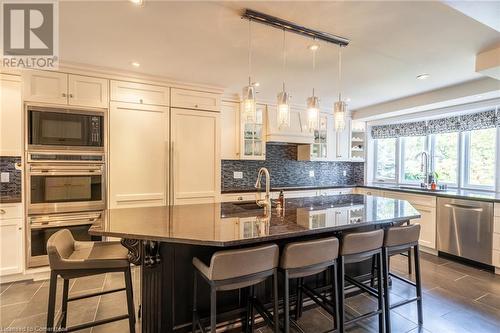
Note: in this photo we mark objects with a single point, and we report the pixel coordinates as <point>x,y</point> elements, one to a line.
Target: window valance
<point>468,122</point>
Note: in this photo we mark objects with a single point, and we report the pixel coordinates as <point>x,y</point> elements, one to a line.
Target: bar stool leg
<point>298,306</point>
<point>410,270</point>
<point>340,293</point>
<point>130,300</point>
<point>287,303</point>
<point>418,282</point>
<point>276,302</point>
<point>52,301</point>
<point>213,309</point>
<point>65,303</point>
<point>252,308</point>
<point>380,291</point>
<point>387,300</point>
<point>195,291</point>
<point>335,298</point>
<point>374,267</point>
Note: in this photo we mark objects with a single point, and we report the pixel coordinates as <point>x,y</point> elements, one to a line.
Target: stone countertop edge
<point>288,188</point>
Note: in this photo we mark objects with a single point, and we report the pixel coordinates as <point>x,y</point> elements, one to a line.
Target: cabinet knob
<point>2,211</point>
<point>70,95</point>
<point>196,105</point>
<point>240,198</point>
<point>140,100</point>
<point>63,94</point>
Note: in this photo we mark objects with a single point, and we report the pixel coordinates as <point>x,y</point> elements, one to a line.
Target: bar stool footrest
<point>76,298</point>
<point>92,324</point>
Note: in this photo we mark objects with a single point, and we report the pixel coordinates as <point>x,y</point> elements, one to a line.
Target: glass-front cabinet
<point>253,143</point>
<point>319,149</point>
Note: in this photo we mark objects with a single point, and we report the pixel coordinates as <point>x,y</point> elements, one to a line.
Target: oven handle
<point>56,224</point>
<point>61,221</point>
<point>65,170</point>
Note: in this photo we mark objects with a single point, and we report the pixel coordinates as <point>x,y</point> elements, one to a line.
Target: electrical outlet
<point>237,175</point>
<point>311,173</point>
<point>344,173</point>
<point>5,177</point>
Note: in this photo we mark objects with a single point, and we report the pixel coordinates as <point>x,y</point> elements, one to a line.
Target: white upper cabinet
<point>253,135</point>
<point>342,145</point>
<point>132,92</point>
<point>195,156</point>
<point>65,89</point>
<point>297,132</point>
<point>197,100</point>
<point>88,91</point>
<point>45,87</point>
<point>230,130</point>
<point>322,148</point>
<point>138,155</point>
<point>11,115</point>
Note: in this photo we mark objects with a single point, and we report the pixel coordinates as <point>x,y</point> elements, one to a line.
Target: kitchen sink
<point>419,189</point>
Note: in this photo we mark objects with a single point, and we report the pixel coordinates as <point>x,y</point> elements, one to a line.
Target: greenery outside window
<point>445,147</point>
<point>411,148</point>
<point>479,152</point>
<point>385,159</point>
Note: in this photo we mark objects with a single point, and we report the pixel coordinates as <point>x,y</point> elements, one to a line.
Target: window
<point>385,168</point>
<point>480,158</point>
<point>445,155</point>
<point>411,147</point>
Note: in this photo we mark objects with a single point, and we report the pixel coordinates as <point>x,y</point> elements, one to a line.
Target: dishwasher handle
<point>470,208</point>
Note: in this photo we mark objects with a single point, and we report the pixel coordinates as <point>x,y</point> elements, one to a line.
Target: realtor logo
<point>29,34</point>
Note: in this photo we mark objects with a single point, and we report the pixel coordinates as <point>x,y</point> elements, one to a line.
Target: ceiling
<point>206,42</point>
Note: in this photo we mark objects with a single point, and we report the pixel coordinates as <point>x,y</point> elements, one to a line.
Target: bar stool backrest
<point>59,247</point>
<point>407,234</point>
<point>359,242</point>
<point>236,263</point>
<point>309,253</point>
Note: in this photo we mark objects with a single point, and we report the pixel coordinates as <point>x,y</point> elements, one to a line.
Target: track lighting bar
<point>290,26</point>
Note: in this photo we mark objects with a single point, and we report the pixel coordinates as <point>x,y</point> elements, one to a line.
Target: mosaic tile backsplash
<point>11,191</point>
<point>285,170</point>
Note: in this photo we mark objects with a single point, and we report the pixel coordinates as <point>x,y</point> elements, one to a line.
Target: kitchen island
<point>163,240</point>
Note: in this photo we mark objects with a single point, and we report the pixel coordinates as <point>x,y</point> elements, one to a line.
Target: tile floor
<point>457,299</point>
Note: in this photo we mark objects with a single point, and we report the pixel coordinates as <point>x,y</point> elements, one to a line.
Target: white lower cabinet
<point>11,239</point>
<point>496,239</point>
<point>138,158</point>
<point>195,162</point>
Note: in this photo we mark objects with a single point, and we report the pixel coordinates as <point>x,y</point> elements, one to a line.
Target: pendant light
<point>340,107</point>
<point>248,96</point>
<point>283,103</point>
<point>313,101</point>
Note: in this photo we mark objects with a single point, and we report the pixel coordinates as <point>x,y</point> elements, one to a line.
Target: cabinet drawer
<point>336,191</point>
<point>301,194</point>
<point>234,197</point>
<point>368,191</point>
<point>414,199</point>
<point>11,211</point>
<point>197,100</point>
<point>132,92</point>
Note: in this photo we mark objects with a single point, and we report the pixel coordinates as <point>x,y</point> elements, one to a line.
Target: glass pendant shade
<point>283,110</point>
<point>339,115</point>
<point>248,103</point>
<point>313,113</point>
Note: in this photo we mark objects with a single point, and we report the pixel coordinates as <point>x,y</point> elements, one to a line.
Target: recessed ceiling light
<point>424,76</point>
<point>135,64</point>
<point>313,47</point>
<point>348,99</point>
<point>256,84</point>
<point>137,2</point>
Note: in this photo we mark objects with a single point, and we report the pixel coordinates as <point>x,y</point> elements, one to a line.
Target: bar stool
<point>72,259</point>
<point>357,247</point>
<point>303,259</point>
<point>237,269</point>
<point>396,240</point>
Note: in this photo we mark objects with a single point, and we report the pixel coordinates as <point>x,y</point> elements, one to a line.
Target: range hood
<point>297,132</point>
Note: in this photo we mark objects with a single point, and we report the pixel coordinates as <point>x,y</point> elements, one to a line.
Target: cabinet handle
<point>70,95</point>
<point>63,94</point>
<point>140,100</point>
<point>196,105</point>
<point>240,198</point>
<point>2,211</point>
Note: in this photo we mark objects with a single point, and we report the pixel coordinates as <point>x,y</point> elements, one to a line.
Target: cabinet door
<point>427,223</point>
<point>11,246</point>
<point>139,93</point>
<point>342,142</point>
<point>230,130</point>
<point>195,164</point>
<point>46,87</point>
<point>253,135</point>
<point>197,100</point>
<point>88,91</point>
<point>138,155</point>
<point>11,116</point>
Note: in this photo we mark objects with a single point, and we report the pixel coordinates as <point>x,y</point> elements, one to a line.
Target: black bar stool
<point>396,240</point>
<point>237,269</point>
<point>303,259</point>
<point>72,259</point>
<point>357,247</point>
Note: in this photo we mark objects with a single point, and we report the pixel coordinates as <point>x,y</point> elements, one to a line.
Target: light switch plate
<point>311,173</point>
<point>5,177</point>
<point>344,173</point>
<point>237,175</point>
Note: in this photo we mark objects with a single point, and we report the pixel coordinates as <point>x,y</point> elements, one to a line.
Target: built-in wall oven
<point>61,183</point>
<point>50,128</point>
<point>41,227</point>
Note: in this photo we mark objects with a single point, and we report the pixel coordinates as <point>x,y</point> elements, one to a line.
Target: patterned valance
<point>468,122</point>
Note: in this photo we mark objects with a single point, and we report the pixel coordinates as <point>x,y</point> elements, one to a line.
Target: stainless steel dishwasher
<point>465,229</point>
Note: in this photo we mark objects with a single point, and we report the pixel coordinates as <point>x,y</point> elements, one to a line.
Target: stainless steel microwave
<point>58,128</point>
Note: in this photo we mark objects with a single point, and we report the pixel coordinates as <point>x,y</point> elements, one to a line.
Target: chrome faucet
<point>266,202</point>
<point>424,167</point>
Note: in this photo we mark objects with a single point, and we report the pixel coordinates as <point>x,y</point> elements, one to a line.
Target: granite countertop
<point>230,224</point>
<point>448,193</point>
<point>275,188</point>
<point>10,198</point>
